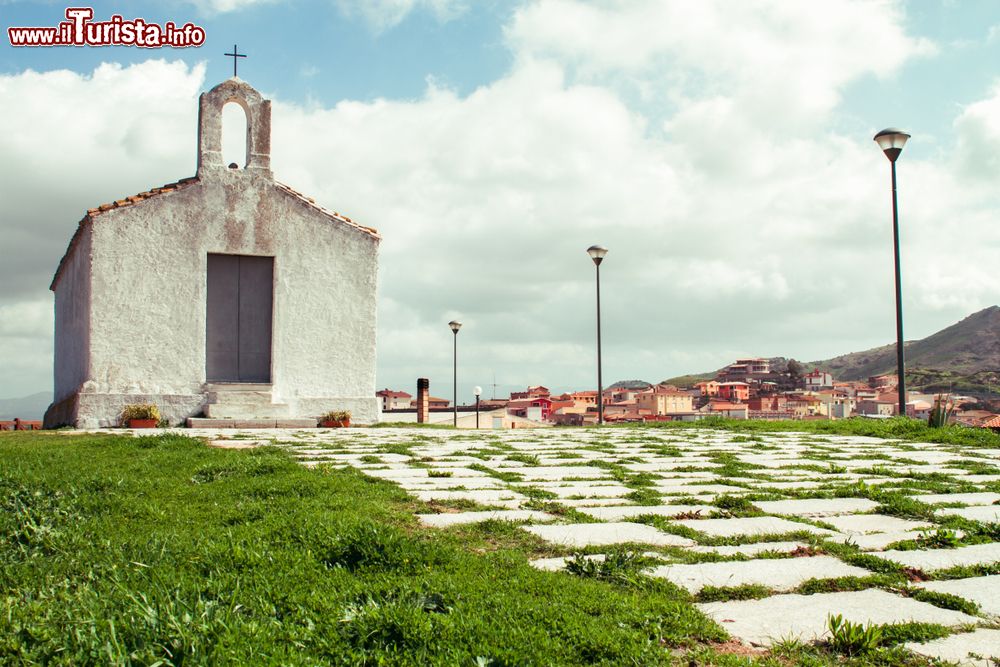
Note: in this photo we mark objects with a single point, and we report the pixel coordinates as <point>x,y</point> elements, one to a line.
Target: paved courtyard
<point>771,533</point>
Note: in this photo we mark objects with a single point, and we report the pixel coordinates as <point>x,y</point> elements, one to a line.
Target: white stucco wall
<point>148,287</point>
<point>72,320</point>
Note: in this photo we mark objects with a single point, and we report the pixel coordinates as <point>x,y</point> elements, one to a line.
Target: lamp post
<point>455,326</point>
<point>891,141</point>
<point>597,254</point>
<point>477,390</point>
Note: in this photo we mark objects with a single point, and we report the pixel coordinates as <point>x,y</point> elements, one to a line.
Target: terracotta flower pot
<point>335,424</point>
<point>142,423</point>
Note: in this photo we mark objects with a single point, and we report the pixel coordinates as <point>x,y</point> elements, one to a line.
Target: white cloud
<point>785,61</point>
<point>385,14</point>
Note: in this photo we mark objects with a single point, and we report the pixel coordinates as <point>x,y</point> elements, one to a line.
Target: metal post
<point>455,378</point>
<point>900,367</point>
<point>477,413</point>
<point>600,386</point>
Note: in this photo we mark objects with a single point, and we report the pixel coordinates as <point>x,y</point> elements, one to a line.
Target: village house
<point>723,408</point>
<point>531,392</point>
<point>708,388</point>
<point>745,370</point>
<point>537,409</point>
<point>870,407</point>
<point>394,400</point>
<point>734,391</point>
<point>817,379</point>
<point>664,400</point>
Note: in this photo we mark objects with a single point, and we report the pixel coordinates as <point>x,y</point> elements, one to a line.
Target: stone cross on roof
<point>235,54</point>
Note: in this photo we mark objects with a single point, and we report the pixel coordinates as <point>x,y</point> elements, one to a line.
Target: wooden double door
<point>239,313</point>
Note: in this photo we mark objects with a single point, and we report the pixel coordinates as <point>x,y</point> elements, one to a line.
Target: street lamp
<point>455,326</point>
<point>597,254</point>
<point>891,141</point>
<point>477,390</point>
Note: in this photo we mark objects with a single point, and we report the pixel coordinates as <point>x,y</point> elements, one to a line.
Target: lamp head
<point>455,325</point>
<point>891,140</point>
<point>477,391</point>
<point>597,253</point>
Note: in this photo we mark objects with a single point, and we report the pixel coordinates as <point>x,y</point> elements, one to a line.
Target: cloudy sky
<point>721,149</point>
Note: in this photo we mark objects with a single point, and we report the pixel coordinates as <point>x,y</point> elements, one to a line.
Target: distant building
<point>661,400</point>
<point>434,403</point>
<point>708,388</point>
<point>532,392</point>
<point>734,391</point>
<point>875,408</point>
<point>394,400</point>
<point>883,381</point>
<point>727,409</point>
<point>745,370</point>
<point>817,379</point>
<point>538,408</point>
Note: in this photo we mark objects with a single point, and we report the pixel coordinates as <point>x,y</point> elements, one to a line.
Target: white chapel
<point>226,298</point>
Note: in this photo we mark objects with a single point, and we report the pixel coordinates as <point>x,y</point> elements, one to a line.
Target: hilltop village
<point>745,389</point>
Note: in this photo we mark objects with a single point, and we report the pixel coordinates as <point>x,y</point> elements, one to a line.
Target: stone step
<point>237,386</point>
<point>200,422</point>
<point>239,396</point>
<point>251,410</point>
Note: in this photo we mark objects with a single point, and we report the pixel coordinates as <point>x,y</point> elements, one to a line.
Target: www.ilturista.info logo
<point>80,30</point>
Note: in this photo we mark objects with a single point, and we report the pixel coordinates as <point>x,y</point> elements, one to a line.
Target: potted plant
<point>140,415</point>
<point>335,419</point>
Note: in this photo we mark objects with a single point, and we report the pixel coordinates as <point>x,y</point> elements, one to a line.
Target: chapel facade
<point>226,296</point>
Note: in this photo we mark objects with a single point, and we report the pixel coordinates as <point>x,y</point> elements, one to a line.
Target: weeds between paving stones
<point>852,639</point>
<point>727,593</point>
<point>944,600</point>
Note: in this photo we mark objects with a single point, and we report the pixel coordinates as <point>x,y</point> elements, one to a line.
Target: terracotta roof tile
<point>993,422</point>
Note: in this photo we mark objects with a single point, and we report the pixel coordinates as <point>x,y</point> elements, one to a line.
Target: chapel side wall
<point>325,313</point>
<point>148,310</point>
<point>72,320</point>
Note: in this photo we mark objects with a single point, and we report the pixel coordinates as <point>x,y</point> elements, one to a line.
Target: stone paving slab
<point>983,498</point>
<point>484,496</point>
<point>980,648</point>
<point>854,524</point>
<point>804,617</point>
<point>563,472</point>
<point>460,518</point>
<point>417,473</point>
<point>590,502</point>
<point>757,525</point>
<point>941,559</point>
<point>781,574</point>
<point>816,506</point>
<point>686,488</point>
<point>559,563</point>
<point>430,483</point>
<point>583,489</point>
<point>601,534</point>
<point>618,512</point>
<point>984,591</point>
<point>984,513</point>
<point>877,541</point>
<point>751,549</point>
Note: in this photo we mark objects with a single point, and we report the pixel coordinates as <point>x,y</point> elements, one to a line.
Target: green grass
<point>160,550</point>
<point>896,428</point>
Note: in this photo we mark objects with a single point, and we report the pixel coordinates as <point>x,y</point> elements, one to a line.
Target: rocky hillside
<point>965,348</point>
